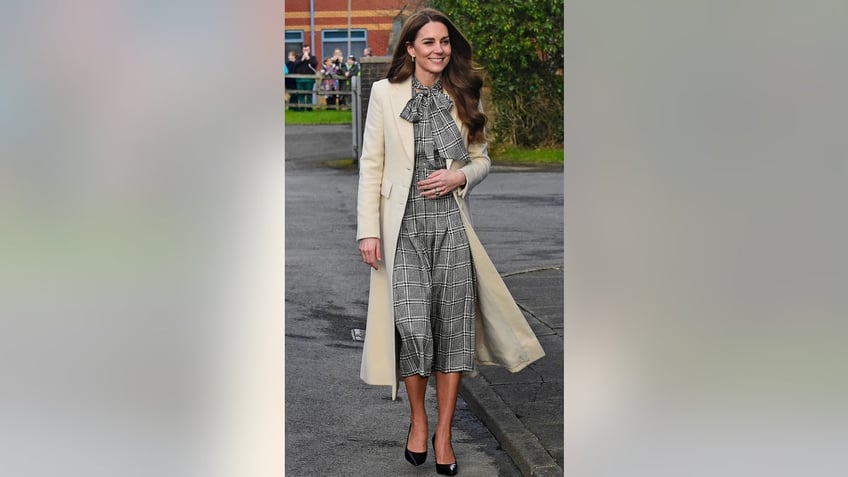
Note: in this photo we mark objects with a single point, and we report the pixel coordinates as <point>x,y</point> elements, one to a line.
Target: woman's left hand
<point>440,183</point>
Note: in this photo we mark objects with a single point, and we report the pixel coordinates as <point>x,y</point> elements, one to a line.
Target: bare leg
<point>416,387</point>
<point>447,389</point>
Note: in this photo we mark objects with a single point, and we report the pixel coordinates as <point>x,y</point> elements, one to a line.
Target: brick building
<point>371,24</point>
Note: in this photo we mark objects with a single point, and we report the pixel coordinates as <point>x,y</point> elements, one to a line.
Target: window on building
<point>294,41</point>
<point>332,39</point>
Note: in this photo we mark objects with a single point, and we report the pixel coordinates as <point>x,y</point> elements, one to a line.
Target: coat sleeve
<point>371,164</point>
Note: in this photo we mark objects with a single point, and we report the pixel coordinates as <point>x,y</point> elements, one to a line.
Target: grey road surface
<point>335,424</point>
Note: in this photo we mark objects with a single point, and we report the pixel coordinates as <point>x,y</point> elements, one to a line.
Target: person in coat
<point>290,83</point>
<point>351,68</point>
<point>307,64</point>
<point>436,305</point>
<point>330,83</point>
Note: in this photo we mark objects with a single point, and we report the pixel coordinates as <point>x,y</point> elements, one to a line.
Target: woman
<point>436,302</point>
<point>329,83</point>
<point>338,58</point>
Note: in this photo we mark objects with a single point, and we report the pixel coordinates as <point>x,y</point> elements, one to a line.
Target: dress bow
<point>430,107</point>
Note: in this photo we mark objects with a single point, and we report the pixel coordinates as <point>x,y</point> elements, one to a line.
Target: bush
<point>520,44</point>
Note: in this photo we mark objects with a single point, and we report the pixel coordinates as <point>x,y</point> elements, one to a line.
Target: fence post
<point>373,68</point>
<point>356,116</point>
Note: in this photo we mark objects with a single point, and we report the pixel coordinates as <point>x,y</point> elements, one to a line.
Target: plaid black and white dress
<point>433,278</point>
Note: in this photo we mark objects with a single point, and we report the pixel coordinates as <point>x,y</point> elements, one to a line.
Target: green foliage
<point>520,44</point>
<point>513,155</point>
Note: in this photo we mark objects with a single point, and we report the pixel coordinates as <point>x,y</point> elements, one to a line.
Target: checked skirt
<point>433,283</point>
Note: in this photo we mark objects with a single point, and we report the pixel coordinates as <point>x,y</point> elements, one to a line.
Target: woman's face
<point>431,51</point>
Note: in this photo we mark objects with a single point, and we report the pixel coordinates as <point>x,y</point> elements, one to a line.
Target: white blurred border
<point>705,238</point>
<point>141,236</point>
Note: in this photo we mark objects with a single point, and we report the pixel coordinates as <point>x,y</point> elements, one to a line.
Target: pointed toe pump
<point>443,469</point>
<point>414,458</point>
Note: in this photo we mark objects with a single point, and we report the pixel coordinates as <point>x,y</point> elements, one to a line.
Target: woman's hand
<point>441,182</point>
<point>369,248</point>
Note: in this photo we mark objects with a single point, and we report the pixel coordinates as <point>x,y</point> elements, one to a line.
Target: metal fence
<point>314,97</point>
<point>348,96</point>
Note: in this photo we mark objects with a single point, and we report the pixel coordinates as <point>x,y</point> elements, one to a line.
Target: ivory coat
<point>502,335</point>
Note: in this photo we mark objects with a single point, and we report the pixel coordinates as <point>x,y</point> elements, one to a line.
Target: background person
<point>290,83</point>
<point>338,58</point>
<point>351,69</point>
<point>330,83</point>
<point>307,64</point>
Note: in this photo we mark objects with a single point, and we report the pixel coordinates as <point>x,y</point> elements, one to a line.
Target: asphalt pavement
<point>506,424</point>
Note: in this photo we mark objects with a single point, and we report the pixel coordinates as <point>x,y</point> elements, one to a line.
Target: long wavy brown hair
<point>461,78</point>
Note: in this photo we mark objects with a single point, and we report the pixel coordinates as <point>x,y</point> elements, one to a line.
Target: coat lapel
<point>401,94</point>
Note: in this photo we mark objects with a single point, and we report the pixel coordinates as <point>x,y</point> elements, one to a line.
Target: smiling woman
<point>437,304</point>
<point>431,51</point>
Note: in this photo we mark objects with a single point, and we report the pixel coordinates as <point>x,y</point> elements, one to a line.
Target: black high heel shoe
<point>414,458</point>
<point>443,469</point>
